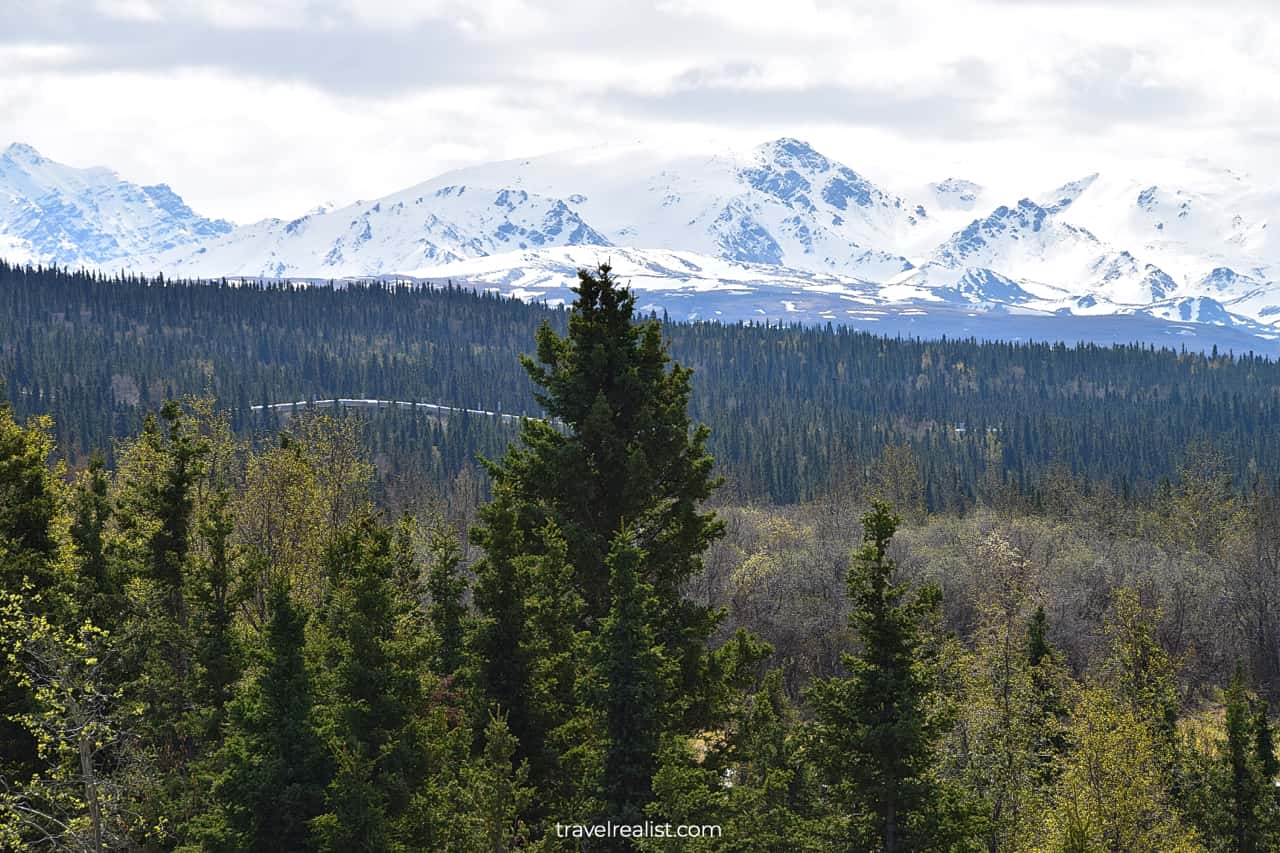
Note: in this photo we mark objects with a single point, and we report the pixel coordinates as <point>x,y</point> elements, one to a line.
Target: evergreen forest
<point>715,588</point>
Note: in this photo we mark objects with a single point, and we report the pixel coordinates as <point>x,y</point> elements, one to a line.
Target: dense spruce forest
<point>795,413</point>
<point>798,589</point>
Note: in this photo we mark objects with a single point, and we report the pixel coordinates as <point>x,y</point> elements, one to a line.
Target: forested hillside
<point>225,639</point>
<point>794,412</point>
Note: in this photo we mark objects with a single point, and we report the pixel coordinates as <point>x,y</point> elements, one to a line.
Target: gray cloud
<point>935,114</point>
<point>346,61</point>
<point>1107,86</point>
<point>435,86</point>
<point>955,106</point>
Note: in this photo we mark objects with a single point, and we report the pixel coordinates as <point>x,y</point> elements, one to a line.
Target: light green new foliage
<point>496,793</point>
<point>79,723</point>
<point>1118,788</point>
<point>1140,671</point>
<point>36,559</point>
<point>999,738</point>
<point>1113,791</point>
<point>296,498</point>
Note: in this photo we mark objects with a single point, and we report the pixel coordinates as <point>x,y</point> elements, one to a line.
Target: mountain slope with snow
<point>53,213</point>
<point>404,231</point>
<point>781,204</point>
<point>779,231</point>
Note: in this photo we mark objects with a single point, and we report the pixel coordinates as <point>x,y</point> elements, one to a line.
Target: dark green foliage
<point>1264,745</point>
<point>1244,787</point>
<point>376,703</point>
<point>369,689</point>
<point>157,501</point>
<point>498,647</point>
<point>445,587</point>
<point>621,452</point>
<point>751,775</point>
<point>558,651</point>
<point>774,801</point>
<point>1043,661</point>
<point>794,412</point>
<point>156,638</point>
<point>30,498</point>
<point>1038,638</point>
<point>275,768</point>
<point>637,684</point>
<point>874,735</point>
<point>496,794</point>
<point>1264,757</point>
<point>216,652</point>
<point>91,511</point>
<point>594,529</point>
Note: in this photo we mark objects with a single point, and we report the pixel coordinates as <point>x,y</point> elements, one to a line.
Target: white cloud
<point>267,107</point>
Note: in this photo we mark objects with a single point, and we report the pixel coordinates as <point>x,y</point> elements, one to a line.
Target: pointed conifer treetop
<point>617,448</point>
<point>616,460</point>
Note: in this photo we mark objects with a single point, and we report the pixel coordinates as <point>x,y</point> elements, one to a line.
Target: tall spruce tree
<point>636,678</point>
<point>369,689</point>
<point>446,587</point>
<point>274,767</point>
<point>215,641</point>
<point>616,451</point>
<point>1264,742</point>
<point>91,510</point>
<point>874,734</point>
<point>560,654</point>
<point>1264,754</point>
<point>616,447</point>
<point>31,499</point>
<point>497,645</point>
<point>1048,681</point>
<point>1244,784</point>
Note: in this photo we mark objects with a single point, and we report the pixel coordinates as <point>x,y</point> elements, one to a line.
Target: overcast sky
<point>253,108</point>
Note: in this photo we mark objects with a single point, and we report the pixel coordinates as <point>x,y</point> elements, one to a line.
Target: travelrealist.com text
<point>648,829</point>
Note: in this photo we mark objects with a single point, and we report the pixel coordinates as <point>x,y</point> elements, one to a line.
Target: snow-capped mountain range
<point>54,214</point>
<point>777,232</point>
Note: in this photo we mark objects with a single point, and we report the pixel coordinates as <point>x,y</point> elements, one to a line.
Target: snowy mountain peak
<point>1192,309</point>
<point>20,152</point>
<point>1064,196</point>
<point>1126,281</point>
<point>956,194</point>
<point>1224,280</point>
<point>986,237</point>
<point>984,285</point>
<point>793,227</point>
<point>971,286</point>
<point>414,228</point>
<point>58,214</point>
<point>796,153</point>
<point>791,168</point>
